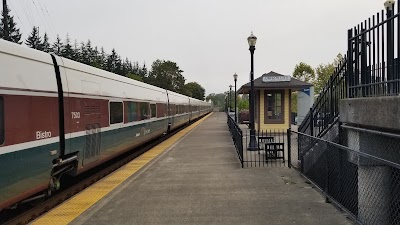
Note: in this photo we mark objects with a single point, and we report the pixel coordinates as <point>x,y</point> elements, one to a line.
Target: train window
<point>161,110</point>
<point>116,112</point>
<point>153,110</point>
<point>172,109</point>
<point>144,111</point>
<point>1,121</point>
<point>132,111</point>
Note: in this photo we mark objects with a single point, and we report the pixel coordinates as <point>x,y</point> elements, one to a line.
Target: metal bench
<point>265,139</point>
<point>247,123</point>
<point>275,151</point>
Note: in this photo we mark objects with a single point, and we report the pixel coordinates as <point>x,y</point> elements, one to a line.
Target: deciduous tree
<point>194,90</point>
<point>166,74</point>
<point>304,72</point>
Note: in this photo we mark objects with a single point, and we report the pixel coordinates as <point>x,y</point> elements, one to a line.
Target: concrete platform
<point>200,181</point>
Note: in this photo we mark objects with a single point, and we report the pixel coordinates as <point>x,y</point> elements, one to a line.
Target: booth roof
<point>294,83</point>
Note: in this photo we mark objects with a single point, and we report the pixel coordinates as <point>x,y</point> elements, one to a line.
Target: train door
<point>190,110</point>
<point>169,113</point>
<point>91,109</point>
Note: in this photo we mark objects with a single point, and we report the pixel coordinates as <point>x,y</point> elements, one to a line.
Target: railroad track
<point>26,214</point>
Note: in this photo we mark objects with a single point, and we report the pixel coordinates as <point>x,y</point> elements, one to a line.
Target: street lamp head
<point>252,40</point>
<point>235,77</point>
<point>230,86</point>
<point>389,4</point>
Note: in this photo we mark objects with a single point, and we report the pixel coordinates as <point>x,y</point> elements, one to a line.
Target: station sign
<point>267,79</point>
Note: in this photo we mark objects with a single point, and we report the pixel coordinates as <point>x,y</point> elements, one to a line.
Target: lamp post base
<point>253,142</point>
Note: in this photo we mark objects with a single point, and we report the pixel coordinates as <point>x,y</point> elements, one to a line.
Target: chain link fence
<point>364,184</point>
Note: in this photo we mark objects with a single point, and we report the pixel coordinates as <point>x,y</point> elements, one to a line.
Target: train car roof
<point>25,70</point>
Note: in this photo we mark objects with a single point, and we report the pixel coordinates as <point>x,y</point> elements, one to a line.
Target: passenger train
<point>59,116</point>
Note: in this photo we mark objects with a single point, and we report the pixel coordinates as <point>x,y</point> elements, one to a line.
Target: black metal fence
<point>324,113</point>
<point>365,186</point>
<point>237,137</point>
<point>373,48</point>
<point>273,149</point>
<point>273,146</point>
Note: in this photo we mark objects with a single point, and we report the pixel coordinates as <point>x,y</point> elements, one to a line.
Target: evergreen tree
<point>45,44</point>
<point>111,61</point>
<point>96,58</point>
<point>58,46</point>
<point>13,31</point>
<point>90,54</point>
<point>76,52</point>
<point>118,66</point>
<point>67,50</point>
<point>84,56</point>
<point>34,39</point>
<point>103,59</point>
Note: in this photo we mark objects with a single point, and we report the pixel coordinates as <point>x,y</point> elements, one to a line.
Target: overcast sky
<point>207,38</point>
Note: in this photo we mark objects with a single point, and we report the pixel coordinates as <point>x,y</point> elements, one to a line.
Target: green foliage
<point>34,40</point>
<point>294,101</point>
<point>218,100</point>
<point>319,78</point>
<point>134,77</point>
<point>243,102</point>
<point>194,90</point>
<point>324,72</point>
<point>13,31</point>
<point>304,72</point>
<point>167,75</point>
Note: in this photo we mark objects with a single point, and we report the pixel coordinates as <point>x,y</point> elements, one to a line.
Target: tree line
<point>318,76</point>
<point>163,73</point>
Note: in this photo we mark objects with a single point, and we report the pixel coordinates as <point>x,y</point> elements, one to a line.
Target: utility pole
<point>6,32</point>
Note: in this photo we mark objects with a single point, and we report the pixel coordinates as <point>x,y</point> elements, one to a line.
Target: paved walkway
<point>200,181</point>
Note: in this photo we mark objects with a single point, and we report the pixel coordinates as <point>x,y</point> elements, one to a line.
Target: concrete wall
<point>378,112</point>
<point>374,178</point>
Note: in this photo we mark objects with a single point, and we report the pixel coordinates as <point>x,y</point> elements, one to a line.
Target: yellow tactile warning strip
<point>68,211</point>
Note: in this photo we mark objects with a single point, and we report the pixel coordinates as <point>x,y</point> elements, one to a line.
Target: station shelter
<point>273,96</point>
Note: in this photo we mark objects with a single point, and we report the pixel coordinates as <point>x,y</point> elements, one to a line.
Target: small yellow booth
<point>273,94</point>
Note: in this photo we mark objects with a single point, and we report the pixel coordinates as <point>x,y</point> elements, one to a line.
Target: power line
<point>26,13</point>
<point>19,19</point>
<point>49,20</point>
<point>40,16</point>
<point>28,6</point>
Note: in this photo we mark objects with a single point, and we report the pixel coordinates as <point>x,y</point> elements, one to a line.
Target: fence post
<point>364,77</point>
<point>390,46</point>
<point>241,147</point>
<point>289,138</point>
<point>349,77</point>
<point>311,122</point>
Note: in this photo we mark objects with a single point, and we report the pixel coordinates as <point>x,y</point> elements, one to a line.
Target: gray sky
<point>207,38</point>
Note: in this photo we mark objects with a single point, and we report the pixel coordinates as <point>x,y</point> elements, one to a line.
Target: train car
<point>58,116</point>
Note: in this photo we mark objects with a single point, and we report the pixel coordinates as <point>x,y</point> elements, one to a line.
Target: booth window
<point>1,120</point>
<point>116,112</point>
<point>274,107</point>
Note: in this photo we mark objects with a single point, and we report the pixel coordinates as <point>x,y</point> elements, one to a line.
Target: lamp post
<point>235,79</point>
<point>230,97</point>
<point>253,143</point>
